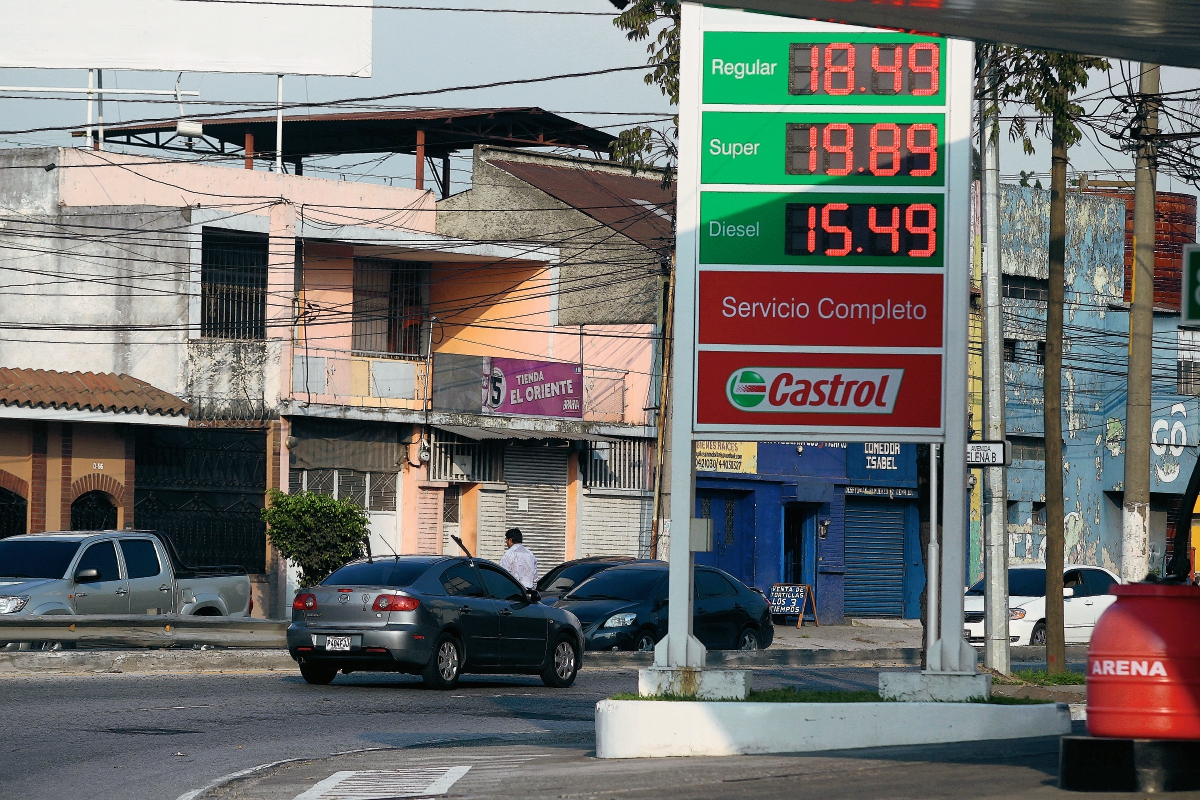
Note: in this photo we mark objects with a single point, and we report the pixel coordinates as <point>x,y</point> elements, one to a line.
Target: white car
<point>1086,593</point>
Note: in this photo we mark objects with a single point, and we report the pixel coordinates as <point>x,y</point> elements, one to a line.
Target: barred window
<point>619,464</point>
<point>390,306</point>
<point>450,504</point>
<point>1010,350</point>
<point>373,491</point>
<point>1020,287</point>
<point>1187,377</point>
<point>233,284</point>
<point>1028,448</point>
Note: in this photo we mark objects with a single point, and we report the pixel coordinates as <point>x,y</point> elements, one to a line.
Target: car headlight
<point>12,604</point>
<point>1016,613</point>
<point>619,621</point>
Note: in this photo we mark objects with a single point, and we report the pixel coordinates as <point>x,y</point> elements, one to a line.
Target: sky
<point>421,50</point>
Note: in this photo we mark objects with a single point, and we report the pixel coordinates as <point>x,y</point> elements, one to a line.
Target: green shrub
<point>315,532</point>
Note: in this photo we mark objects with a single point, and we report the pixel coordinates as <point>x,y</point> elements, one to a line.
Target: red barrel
<point>1143,664</point>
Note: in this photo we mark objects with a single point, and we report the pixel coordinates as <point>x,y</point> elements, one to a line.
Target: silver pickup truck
<point>113,572</point>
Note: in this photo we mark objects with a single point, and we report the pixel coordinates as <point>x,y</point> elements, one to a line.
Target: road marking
<point>372,784</point>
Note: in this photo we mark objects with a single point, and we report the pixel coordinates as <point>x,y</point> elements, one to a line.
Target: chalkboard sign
<point>793,598</point>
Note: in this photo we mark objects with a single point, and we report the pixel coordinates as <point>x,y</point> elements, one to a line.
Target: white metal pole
<point>100,106</point>
<point>956,655</point>
<point>279,127</point>
<point>995,505</point>
<point>90,95</point>
<point>932,576</point>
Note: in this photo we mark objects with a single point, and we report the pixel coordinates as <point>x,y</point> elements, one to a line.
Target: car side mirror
<point>87,575</point>
<point>533,595</point>
<point>661,603</point>
<point>1068,591</point>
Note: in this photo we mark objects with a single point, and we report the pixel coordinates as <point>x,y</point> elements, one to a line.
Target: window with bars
<point>620,464</point>
<point>1028,448</point>
<point>233,284</point>
<point>391,306</point>
<point>1010,350</point>
<point>373,491</point>
<point>450,504</point>
<point>1020,287</point>
<point>1187,377</point>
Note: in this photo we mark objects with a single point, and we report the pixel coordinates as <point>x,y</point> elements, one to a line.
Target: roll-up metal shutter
<point>874,559</point>
<point>537,501</point>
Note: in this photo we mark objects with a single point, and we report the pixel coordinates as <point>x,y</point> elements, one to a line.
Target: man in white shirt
<point>518,560</point>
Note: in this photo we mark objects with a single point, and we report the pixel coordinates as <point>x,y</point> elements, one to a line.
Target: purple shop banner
<point>533,388</point>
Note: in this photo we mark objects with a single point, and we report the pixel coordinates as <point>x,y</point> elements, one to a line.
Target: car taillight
<point>250,611</point>
<point>305,602</point>
<point>395,602</point>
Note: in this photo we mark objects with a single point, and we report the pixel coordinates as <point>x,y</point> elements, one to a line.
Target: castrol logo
<point>828,390</point>
<point>1126,666</point>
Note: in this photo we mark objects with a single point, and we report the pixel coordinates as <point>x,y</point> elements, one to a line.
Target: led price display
<point>838,69</point>
<point>851,229</point>
<point>883,150</point>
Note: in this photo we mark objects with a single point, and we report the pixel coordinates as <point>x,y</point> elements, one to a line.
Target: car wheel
<point>563,665</point>
<point>318,676</point>
<point>748,640</point>
<point>445,664</point>
<point>645,642</point>
<point>1038,637</point>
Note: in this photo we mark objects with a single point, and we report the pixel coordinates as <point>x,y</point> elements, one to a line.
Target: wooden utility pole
<point>1135,508</point>
<point>1056,650</point>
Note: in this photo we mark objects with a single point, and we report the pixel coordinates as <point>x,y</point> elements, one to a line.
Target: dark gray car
<point>435,616</point>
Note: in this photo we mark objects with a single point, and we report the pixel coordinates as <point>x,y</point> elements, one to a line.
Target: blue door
<point>800,543</point>
<point>733,534</point>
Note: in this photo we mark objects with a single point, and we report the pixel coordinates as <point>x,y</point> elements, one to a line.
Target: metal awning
<point>480,434</point>
<point>1159,31</point>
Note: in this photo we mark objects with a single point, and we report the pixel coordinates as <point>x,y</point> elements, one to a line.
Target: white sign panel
<point>987,454</point>
<point>188,36</point>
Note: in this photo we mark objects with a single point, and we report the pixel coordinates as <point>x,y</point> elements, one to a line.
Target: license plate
<point>337,643</point>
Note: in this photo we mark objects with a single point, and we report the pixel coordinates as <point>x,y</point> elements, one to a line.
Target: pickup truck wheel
<point>318,676</point>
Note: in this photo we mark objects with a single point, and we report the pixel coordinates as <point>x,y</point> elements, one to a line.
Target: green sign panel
<point>823,69</point>
<point>1190,299</point>
<point>868,229</point>
<point>833,149</point>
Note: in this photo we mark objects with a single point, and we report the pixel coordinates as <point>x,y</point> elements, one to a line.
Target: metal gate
<point>874,559</point>
<point>205,489</point>
<point>537,500</point>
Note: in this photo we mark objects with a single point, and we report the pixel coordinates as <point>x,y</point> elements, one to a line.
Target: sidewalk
<point>855,635</point>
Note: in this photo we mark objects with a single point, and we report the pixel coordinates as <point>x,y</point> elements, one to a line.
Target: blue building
<point>841,518</point>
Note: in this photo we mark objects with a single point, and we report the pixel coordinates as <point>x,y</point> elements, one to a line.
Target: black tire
<point>645,641</point>
<point>748,640</point>
<point>563,664</point>
<point>445,663</point>
<point>318,676</point>
<point>1038,637</point>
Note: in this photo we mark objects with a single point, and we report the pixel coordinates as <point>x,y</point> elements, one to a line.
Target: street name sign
<point>988,454</point>
<point>823,227</point>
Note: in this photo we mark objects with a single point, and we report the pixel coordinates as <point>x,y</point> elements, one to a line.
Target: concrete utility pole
<point>1135,509</point>
<point>995,537</point>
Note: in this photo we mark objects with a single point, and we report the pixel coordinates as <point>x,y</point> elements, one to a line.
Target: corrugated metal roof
<point>639,208</point>
<point>85,391</point>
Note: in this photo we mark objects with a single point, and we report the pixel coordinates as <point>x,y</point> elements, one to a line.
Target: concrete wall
<point>605,277</point>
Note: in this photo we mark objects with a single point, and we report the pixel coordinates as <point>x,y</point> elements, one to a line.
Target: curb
<point>883,657</point>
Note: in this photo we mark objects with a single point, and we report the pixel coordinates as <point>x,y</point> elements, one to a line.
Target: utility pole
<point>1135,508</point>
<point>995,536</point>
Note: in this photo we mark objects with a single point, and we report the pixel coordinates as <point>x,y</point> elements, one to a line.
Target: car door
<point>107,594</point>
<point>149,581</point>
<point>522,623</point>
<point>715,615</point>
<point>1077,613</point>
<point>1099,596</point>
<point>476,616</point>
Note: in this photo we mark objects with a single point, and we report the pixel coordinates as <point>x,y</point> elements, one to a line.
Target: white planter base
<point>703,684</point>
<point>661,728</point>
<point>944,687</point>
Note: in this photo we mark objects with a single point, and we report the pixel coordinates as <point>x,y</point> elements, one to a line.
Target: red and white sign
<point>760,307</point>
<point>863,390</point>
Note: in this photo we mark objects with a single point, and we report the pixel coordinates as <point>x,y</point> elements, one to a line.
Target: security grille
<point>450,504</point>
<point>390,306</point>
<point>622,464</point>
<point>233,284</point>
<point>372,491</point>
<point>12,514</point>
<point>460,460</point>
<point>874,559</point>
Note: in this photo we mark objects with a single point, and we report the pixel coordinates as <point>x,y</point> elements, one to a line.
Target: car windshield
<point>30,559</point>
<point>617,584</point>
<point>381,572</point>
<point>564,579</point>
<point>1021,583</point>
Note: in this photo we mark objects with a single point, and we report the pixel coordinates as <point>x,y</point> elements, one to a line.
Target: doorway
<point>93,511</point>
<point>800,543</point>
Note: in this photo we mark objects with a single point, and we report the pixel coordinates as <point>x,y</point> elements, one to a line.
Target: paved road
<point>155,737</point>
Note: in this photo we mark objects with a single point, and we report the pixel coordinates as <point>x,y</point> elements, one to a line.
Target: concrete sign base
<point>661,728</point>
<point>943,687</point>
<point>703,684</point>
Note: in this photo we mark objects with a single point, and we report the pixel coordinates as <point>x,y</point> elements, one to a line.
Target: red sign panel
<point>821,308</point>
<point>862,390</point>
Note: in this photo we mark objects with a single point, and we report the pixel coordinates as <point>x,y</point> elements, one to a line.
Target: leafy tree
<point>643,146</point>
<point>315,532</point>
<point>1047,81</point>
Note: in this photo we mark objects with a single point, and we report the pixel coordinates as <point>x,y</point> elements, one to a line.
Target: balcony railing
<point>350,378</point>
